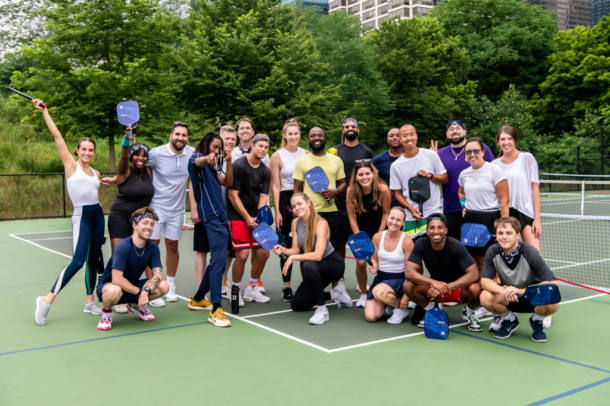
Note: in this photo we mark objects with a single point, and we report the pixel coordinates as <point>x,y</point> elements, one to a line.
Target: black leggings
<point>286,227</point>
<point>317,276</point>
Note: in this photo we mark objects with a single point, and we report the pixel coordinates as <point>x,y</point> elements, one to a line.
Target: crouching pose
<point>121,283</point>
<point>389,261</point>
<point>518,265</point>
<point>454,276</point>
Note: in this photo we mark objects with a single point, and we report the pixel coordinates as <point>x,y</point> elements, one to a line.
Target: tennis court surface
<point>272,356</point>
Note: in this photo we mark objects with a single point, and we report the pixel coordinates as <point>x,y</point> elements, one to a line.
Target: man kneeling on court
<point>454,276</point>
<point>121,283</point>
<point>518,265</point>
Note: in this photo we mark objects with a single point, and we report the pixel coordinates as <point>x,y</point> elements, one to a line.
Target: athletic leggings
<point>286,227</point>
<point>87,238</point>
<point>318,275</point>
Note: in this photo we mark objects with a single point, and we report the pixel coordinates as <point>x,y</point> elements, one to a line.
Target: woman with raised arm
<point>282,166</point>
<point>369,202</point>
<point>322,265</point>
<point>88,225</point>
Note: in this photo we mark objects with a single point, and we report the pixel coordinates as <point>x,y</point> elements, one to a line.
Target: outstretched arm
<point>66,157</point>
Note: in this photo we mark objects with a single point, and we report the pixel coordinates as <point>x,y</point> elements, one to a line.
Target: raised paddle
<point>24,95</point>
<point>128,113</point>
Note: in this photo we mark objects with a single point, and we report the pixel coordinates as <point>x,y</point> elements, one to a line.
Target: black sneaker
<point>538,334</point>
<point>507,329</point>
<point>287,294</point>
<point>418,315</point>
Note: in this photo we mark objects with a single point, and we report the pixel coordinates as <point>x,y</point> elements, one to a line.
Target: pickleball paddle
<point>419,191</point>
<point>361,246</point>
<point>317,180</point>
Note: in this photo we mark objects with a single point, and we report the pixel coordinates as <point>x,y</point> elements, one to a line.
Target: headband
<point>351,119</point>
<point>455,122</point>
<point>146,215</point>
<point>136,147</point>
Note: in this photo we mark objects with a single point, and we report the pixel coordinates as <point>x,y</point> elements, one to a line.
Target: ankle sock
<point>538,317</point>
<point>107,311</point>
<point>429,307</point>
<point>170,280</point>
<point>252,283</point>
<point>510,316</point>
<point>199,296</point>
<point>469,310</point>
<point>215,307</point>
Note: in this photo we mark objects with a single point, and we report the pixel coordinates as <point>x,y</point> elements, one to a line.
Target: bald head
<point>407,127</point>
<point>316,130</point>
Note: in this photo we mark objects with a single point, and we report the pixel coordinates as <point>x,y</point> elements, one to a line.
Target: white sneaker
<point>411,305</point>
<point>106,322</point>
<point>496,324</point>
<point>260,287</point>
<point>389,310</point>
<point>254,295</point>
<point>358,287</point>
<point>92,308</point>
<point>154,303</point>
<point>171,295</point>
<point>482,312</point>
<point>226,291</point>
<point>361,302</point>
<point>122,309</point>
<point>548,321</point>
<point>320,316</point>
<point>342,296</point>
<point>42,310</point>
<point>342,281</point>
<point>142,312</point>
<point>398,316</point>
<point>241,299</point>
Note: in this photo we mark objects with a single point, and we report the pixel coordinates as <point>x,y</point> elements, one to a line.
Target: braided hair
<point>204,148</point>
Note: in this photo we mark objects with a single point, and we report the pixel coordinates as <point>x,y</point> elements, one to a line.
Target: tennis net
<point>575,197</point>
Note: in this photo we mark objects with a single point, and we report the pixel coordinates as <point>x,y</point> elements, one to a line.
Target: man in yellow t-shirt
<point>333,167</point>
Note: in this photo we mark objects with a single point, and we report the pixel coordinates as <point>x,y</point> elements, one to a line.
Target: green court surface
<point>271,355</point>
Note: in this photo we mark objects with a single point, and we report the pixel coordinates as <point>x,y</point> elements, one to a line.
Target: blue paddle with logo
<point>436,323</point>
<point>475,235</point>
<point>266,238</point>
<point>542,294</point>
<point>317,180</point>
<point>128,113</point>
<point>361,246</point>
<point>263,215</point>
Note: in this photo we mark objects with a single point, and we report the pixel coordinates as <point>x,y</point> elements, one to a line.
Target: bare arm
<point>322,234</point>
<point>239,207</point>
<point>386,202</point>
<point>294,250</point>
<point>375,258</point>
<point>262,200</point>
<point>119,280</point>
<point>403,202</point>
<point>194,213</point>
<point>298,186</point>
<point>537,225</point>
<point>154,281</point>
<point>65,155</point>
<point>275,165</point>
<point>123,169</point>
<point>438,179</point>
<point>503,196</point>
<point>351,214</point>
<point>471,275</point>
<point>227,180</point>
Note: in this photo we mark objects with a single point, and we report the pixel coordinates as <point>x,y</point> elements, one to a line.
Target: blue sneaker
<point>507,329</point>
<point>538,334</point>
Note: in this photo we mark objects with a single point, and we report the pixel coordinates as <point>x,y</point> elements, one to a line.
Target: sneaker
<point>398,316</point>
<point>418,316</point>
<point>254,295</point>
<point>106,321</point>
<point>508,328</point>
<point>171,295</point>
<point>201,305</point>
<point>92,308</point>
<point>538,334</point>
<point>496,324</point>
<point>422,323</point>
<point>226,290</point>
<point>342,296</point>
<point>342,281</point>
<point>241,299</point>
<point>361,302</point>
<point>548,321</point>
<point>142,312</point>
<point>320,316</point>
<point>260,287</point>
<point>473,323</point>
<point>389,310</point>
<point>42,309</point>
<point>154,303</point>
<point>218,318</point>
<point>122,309</point>
<point>411,305</point>
<point>287,294</point>
<point>358,287</point>
<point>481,312</point>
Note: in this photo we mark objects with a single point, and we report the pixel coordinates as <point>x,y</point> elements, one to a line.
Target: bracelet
<point>463,202</point>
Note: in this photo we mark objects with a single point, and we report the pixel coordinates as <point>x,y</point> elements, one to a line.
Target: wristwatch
<point>431,176</point>
<point>146,289</point>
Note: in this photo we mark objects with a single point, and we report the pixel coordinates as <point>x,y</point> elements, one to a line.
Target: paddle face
<point>437,324</point>
<point>265,236</point>
<point>475,235</point>
<point>361,246</point>
<point>280,238</point>
<point>263,215</point>
<point>128,113</point>
<point>317,179</point>
<point>542,294</point>
<point>419,189</point>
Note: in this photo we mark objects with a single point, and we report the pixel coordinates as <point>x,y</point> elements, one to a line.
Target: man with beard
<point>452,157</point>
<point>333,167</point>
<point>350,152</point>
<point>384,160</point>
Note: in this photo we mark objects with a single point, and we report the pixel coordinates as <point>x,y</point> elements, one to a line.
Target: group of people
<point>229,183</point>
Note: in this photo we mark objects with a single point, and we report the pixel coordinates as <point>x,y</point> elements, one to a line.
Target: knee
<point>78,263</point>
<point>309,268</point>
<point>474,290</point>
<point>262,254</point>
<point>242,255</point>
<point>550,309</point>
<point>171,246</point>
<point>112,292</point>
<point>361,266</point>
<point>408,288</point>
<point>370,317</point>
<point>163,287</point>
<point>487,299</point>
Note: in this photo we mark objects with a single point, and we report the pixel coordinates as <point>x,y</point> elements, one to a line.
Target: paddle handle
<point>421,210</point>
<point>283,257</point>
<point>370,263</point>
<point>436,301</point>
<point>24,95</point>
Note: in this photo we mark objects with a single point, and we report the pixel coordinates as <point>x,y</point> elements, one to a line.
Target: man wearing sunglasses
<point>350,151</point>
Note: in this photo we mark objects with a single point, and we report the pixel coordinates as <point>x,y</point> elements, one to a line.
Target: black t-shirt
<point>349,155</point>
<point>448,264</point>
<point>250,182</point>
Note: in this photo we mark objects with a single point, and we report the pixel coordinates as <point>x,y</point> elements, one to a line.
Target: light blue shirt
<point>170,174</point>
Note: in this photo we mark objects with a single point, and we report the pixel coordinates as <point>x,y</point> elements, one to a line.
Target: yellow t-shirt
<point>332,166</point>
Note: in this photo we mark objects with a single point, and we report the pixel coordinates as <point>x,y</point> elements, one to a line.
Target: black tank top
<point>133,194</point>
<point>371,217</point>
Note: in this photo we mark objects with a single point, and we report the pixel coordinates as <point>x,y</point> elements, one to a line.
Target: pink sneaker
<point>106,321</point>
<point>142,312</point>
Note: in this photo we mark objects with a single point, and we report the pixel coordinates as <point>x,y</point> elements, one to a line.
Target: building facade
<point>320,4</point>
<point>570,13</point>
<point>374,12</point>
<point>599,8</point>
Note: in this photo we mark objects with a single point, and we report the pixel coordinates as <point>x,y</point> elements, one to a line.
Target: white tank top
<point>289,161</point>
<point>391,262</point>
<point>82,188</point>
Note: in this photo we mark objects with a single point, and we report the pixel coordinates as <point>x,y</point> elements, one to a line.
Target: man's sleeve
<point>369,154</point>
<point>237,177</point>
<point>416,253</point>
<point>395,183</point>
<point>537,264</point>
<point>437,165</point>
<point>151,158</point>
<point>489,156</point>
<point>266,182</point>
<point>155,260</point>
<point>489,269</point>
<point>119,257</point>
<point>299,173</point>
<point>340,170</point>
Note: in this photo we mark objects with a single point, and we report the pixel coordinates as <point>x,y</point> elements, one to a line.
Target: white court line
<point>585,263</point>
<point>557,222</point>
<point>564,262</point>
<point>40,246</point>
<point>284,311</point>
<point>57,238</point>
<point>48,232</point>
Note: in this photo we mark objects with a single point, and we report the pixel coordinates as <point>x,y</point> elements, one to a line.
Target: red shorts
<point>241,235</point>
<point>451,296</point>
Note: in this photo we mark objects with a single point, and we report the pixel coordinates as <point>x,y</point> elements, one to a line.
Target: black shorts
<point>333,218</point>
<point>454,224</point>
<point>369,229</point>
<point>522,306</point>
<point>201,242</point>
<point>487,218</point>
<point>127,297</point>
<point>119,227</point>
<point>346,230</point>
<point>523,219</point>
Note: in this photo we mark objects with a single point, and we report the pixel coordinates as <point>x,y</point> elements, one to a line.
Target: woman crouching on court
<point>389,263</point>
<point>322,265</point>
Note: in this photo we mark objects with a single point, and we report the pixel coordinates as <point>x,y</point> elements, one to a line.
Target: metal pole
<point>63,187</point>
<point>603,151</point>
<point>578,159</point>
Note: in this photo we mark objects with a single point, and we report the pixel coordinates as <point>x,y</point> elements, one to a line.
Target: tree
<point>508,41</point>
<point>20,23</point>
<point>427,73</point>
<point>579,78</point>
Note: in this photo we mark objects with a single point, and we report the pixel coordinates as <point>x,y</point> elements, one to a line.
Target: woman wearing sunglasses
<point>483,194</point>
<point>369,202</point>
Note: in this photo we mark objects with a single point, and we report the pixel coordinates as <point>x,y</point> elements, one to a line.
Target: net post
<point>582,204</point>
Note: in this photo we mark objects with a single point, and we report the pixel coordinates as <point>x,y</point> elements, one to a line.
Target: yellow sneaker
<point>202,305</point>
<point>219,319</point>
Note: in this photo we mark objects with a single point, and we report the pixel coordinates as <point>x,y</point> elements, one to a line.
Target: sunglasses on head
<point>472,151</point>
<point>359,161</point>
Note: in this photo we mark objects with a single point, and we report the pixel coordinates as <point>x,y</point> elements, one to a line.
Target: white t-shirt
<point>480,187</point>
<point>170,174</point>
<point>520,175</point>
<point>405,168</point>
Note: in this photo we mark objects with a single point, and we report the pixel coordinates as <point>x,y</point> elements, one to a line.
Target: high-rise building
<point>599,8</point>
<point>570,13</point>
<point>374,12</point>
<point>321,4</point>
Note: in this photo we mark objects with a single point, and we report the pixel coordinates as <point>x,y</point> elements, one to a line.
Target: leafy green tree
<point>427,73</point>
<point>20,23</point>
<point>508,41</point>
<point>579,78</point>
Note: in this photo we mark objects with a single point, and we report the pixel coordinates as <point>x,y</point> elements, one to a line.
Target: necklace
<point>140,177</point>
<point>456,155</point>
<point>136,250</point>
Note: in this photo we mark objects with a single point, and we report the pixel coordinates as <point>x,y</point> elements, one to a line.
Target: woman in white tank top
<point>282,166</point>
<point>87,220</point>
<point>389,262</point>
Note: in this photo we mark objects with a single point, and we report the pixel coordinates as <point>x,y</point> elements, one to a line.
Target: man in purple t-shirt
<point>452,157</point>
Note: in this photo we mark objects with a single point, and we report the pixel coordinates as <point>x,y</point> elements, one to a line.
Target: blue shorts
<point>393,280</point>
<point>127,297</point>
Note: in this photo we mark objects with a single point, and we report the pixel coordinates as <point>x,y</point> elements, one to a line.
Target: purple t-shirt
<point>451,200</point>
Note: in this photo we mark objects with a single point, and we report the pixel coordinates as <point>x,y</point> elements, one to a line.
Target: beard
<point>457,140</point>
<point>315,149</point>
<point>351,135</point>
<point>176,147</point>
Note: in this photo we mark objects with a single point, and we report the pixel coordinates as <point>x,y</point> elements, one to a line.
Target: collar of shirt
<point>172,153</point>
<point>244,151</point>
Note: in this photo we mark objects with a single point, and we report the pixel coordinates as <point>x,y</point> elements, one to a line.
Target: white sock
<point>538,317</point>
<point>252,283</point>
<point>334,295</point>
<point>236,284</point>
<point>469,310</point>
<point>429,307</point>
<point>170,280</point>
<point>510,316</point>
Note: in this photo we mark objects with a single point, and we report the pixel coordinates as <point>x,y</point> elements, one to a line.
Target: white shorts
<point>169,225</point>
